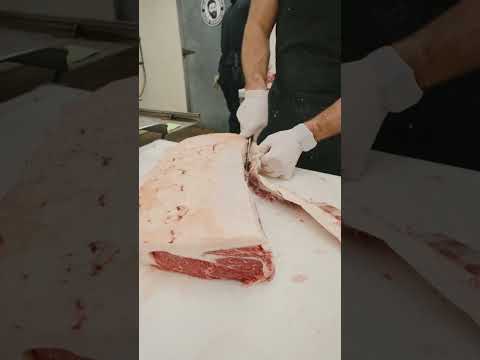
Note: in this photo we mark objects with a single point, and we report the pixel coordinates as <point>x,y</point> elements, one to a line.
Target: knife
<point>249,145</point>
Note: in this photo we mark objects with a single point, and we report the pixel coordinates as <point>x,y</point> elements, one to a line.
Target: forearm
<point>446,48</point>
<point>255,58</point>
<point>327,123</point>
<point>256,44</point>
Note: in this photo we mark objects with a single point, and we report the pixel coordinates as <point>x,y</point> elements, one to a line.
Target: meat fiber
<point>197,216</point>
<point>328,216</point>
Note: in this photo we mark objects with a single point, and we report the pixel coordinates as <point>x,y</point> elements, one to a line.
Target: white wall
<point>160,36</point>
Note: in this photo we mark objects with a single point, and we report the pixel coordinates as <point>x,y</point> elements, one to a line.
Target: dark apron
<point>308,74</point>
<point>440,128</point>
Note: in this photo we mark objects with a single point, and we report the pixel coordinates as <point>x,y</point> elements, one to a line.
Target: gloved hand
<point>253,113</point>
<point>216,84</point>
<point>371,88</point>
<point>282,150</point>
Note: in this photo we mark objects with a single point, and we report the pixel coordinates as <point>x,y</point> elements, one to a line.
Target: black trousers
<point>230,82</point>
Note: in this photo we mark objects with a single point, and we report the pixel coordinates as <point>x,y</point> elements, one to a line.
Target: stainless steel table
<point>165,122</point>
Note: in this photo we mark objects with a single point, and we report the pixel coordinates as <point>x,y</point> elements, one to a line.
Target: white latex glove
<point>253,113</point>
<point>371,88</point>
<point>216,85</point>
<point>282,150</point>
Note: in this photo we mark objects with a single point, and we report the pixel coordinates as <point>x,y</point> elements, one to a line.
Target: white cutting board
<point>25,122</point>
<point>296,315</point>
<point>429,199</point>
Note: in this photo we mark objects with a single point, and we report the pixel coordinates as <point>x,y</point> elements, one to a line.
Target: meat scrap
<point>176,214</point>
<point>101,200</point>
<point>172,237</point>
<point>210,229</point>
<point>93,246</point>
<point>387,276</point>
<point>473,269</point>
<point>328,216</point>
<point>80,315</point>
<point>332,210</point>
<point>456,252</point>
<point>103,254</point>
<point>99,264</point>
<point>106,160</point>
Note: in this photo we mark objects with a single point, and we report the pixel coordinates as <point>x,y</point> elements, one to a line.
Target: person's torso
<point>440,127</point>
<point>307,80</point>
<point>308,45</point>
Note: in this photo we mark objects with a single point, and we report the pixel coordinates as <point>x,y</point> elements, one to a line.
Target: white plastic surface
<point>421,323</point>
<point>430,200</point>
<point>296,315</point>
<point>25,121</point>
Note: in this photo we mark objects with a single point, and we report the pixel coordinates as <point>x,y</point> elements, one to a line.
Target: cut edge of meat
<point>331,210</point>
<point>256,185</point>
<point>248,265</point>
<point>330,215</point>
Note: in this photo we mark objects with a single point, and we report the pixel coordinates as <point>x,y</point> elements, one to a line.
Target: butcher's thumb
<point>264,148</point>
<point>247,132</point>
<point>288,174</point>
<point>244,133</point>
<point>242,116</point>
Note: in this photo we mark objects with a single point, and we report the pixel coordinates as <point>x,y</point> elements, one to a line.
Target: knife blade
<point>247,160</point>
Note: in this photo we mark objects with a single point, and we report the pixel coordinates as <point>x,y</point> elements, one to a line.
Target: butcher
<point>387,70</point>
<point>290,118</point>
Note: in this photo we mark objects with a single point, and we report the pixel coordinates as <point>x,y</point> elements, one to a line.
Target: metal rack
<point>40,44</point>
<point>162,121</point>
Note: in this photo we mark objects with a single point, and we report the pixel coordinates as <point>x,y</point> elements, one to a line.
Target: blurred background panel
<point>89,9</point>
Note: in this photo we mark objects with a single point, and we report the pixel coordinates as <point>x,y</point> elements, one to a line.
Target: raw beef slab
<point>197,216</point>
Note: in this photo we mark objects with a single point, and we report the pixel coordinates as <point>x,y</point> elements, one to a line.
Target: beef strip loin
<point>197,216</point>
